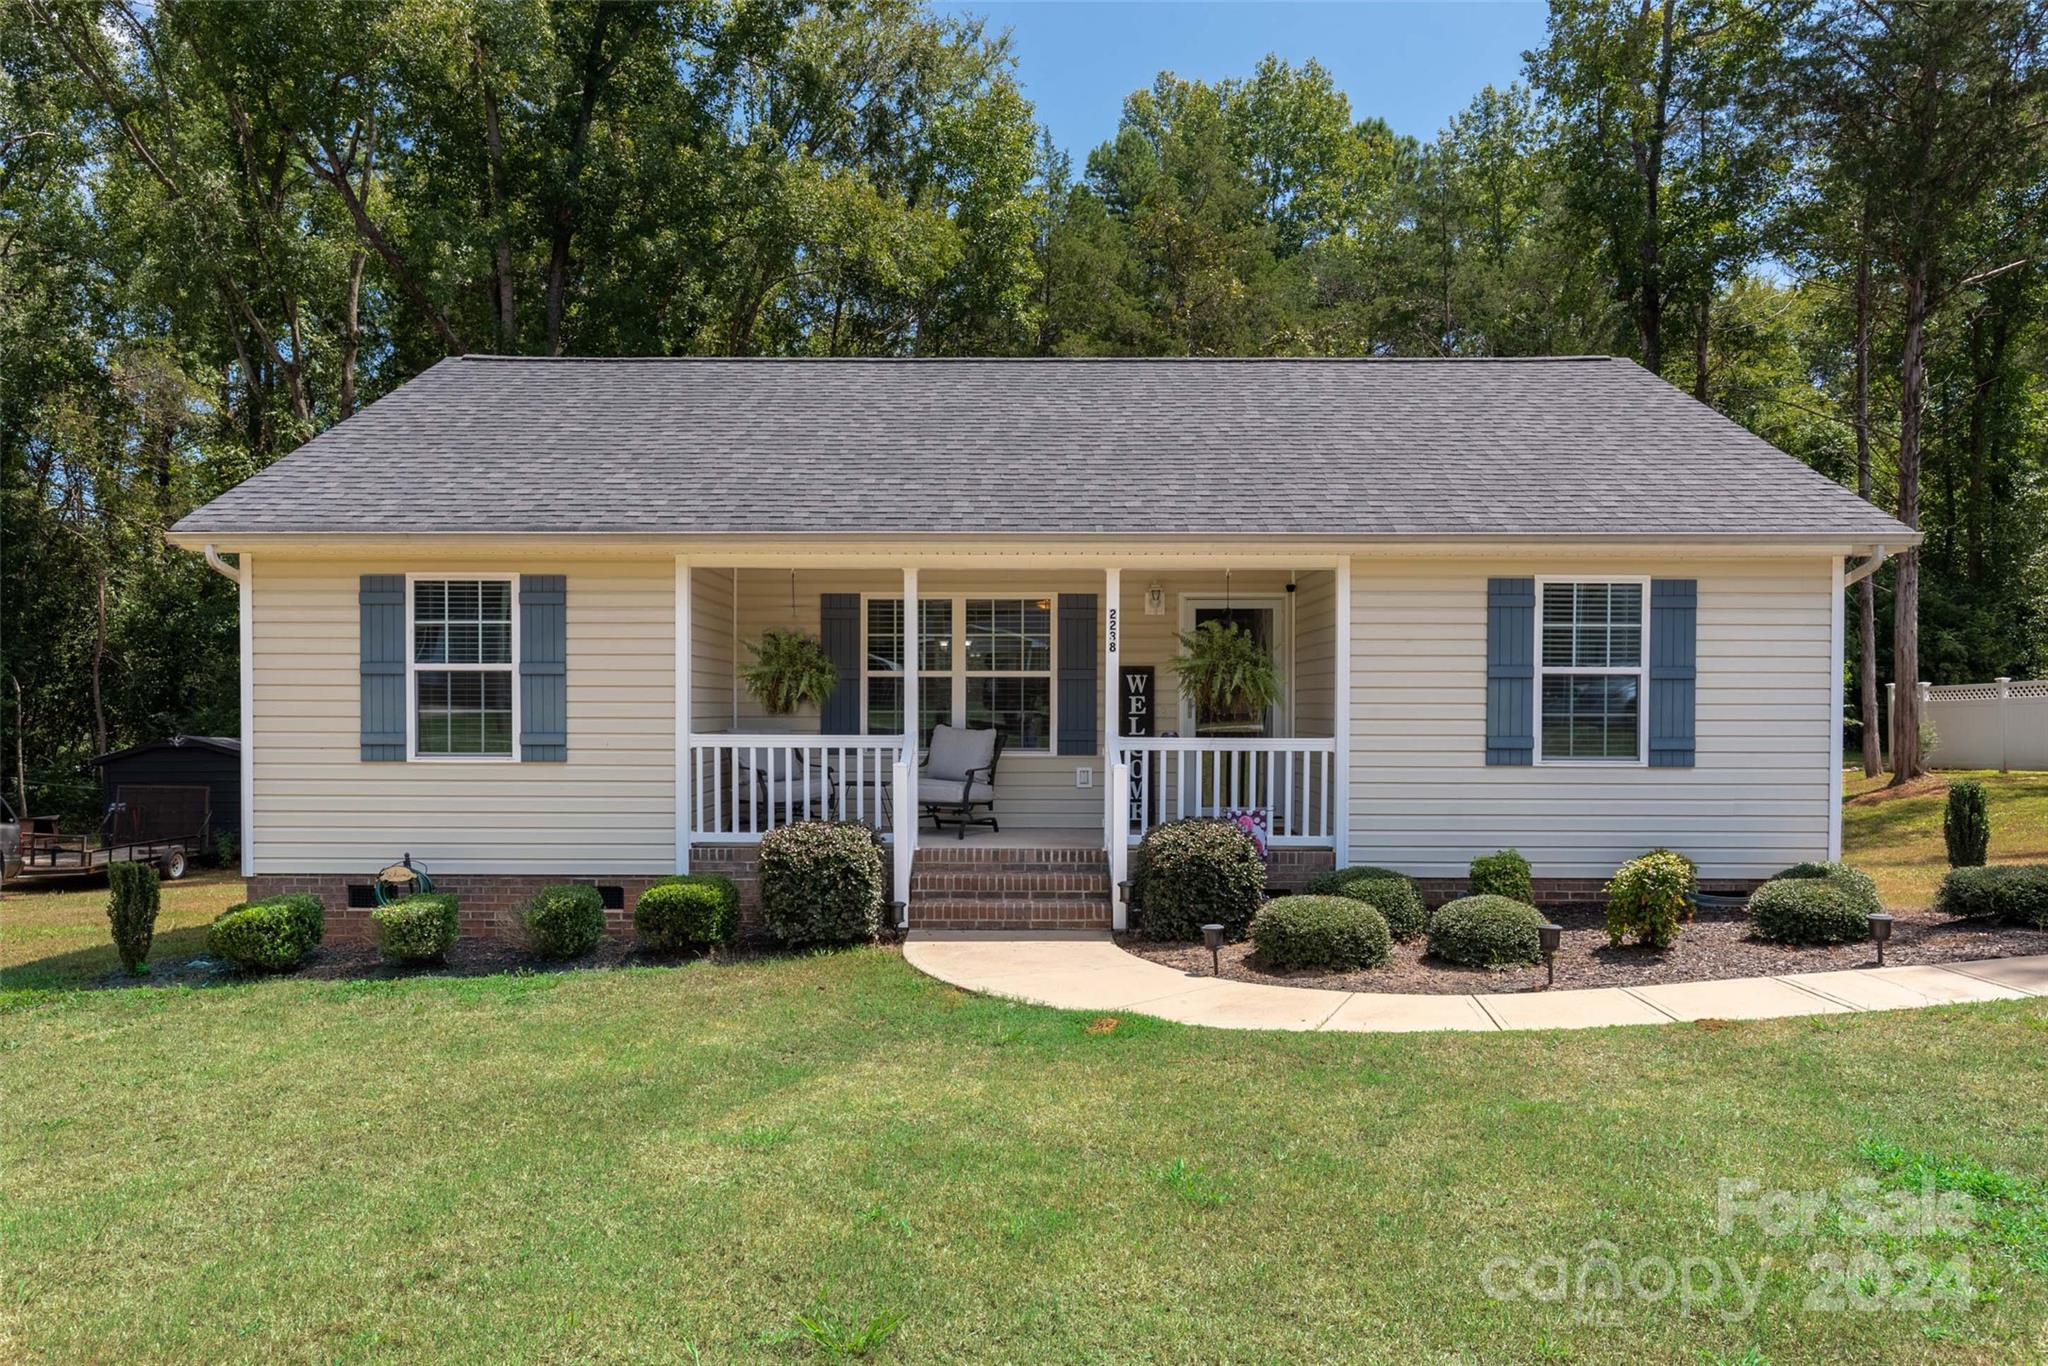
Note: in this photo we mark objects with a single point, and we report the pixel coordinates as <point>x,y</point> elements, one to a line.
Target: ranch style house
<point>498,620</point>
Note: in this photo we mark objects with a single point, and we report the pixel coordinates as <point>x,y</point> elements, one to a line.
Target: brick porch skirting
<point>488,904</point>
<point>1569,893</point>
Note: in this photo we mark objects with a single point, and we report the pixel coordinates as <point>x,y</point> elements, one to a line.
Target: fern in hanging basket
<point>790,670</point>
<point>1223,668</point>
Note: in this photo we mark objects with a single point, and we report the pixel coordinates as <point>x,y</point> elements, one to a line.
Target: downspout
<point>1878,555</point>
<point>220,566</point>
<point>245,633</point>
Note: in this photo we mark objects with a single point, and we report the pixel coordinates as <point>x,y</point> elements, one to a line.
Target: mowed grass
<point>696,1163</point>
<point>665,1164</point>
<point>1896,836</point>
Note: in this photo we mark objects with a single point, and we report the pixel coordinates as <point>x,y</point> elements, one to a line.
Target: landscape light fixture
<point>1880,930</point>
<point>1550,936</point>
<point>1212,935</point>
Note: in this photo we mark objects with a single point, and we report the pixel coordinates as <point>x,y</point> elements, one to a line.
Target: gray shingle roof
<point>1336,448</point>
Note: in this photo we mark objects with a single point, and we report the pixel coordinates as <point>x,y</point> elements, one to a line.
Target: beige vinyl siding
<point>712,643</point>
<point>1424,801</point>
<point>609,809</point>
<point>1315,654</point>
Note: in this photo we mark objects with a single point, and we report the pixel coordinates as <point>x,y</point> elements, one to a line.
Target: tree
<point>1934,108</point>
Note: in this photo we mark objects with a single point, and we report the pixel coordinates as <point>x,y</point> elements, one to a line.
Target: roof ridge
<point>1035,360</point>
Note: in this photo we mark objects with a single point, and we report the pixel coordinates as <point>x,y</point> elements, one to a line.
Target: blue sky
<point>1412,64</point>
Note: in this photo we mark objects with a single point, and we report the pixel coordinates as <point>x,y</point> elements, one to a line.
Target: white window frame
<point>1641,671</point>
<point>959,673</point>
<point>412,668</point>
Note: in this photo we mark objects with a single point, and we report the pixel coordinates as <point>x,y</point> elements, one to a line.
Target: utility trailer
<point>163,825</point>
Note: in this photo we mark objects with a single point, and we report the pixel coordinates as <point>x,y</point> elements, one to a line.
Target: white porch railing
<point>739,787</point>
<point>1295,780</point>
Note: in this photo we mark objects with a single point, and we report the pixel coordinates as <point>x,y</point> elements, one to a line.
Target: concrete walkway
<point>1085,970</point>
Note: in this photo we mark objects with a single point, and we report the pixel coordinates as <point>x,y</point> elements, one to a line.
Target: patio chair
<point>958,775</point>
<point>789,789</point>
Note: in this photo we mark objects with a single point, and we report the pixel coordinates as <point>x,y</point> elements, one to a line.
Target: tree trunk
<point>99,659</point>
<point>1866,591</point>
<point>21,752</point>
<point>352,332</point>
<point>494,207</point>
<point>1908,762</point>
<point>1699,349</point>
<point>564,227</point>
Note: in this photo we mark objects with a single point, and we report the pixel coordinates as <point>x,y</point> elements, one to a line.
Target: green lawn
<point>1896,836</point>
<point>662,1164</point>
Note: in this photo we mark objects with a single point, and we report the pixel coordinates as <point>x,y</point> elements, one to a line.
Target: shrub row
<point>2017,892</point>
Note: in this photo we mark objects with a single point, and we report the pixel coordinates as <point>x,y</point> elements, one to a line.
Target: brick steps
<point>970,888</point>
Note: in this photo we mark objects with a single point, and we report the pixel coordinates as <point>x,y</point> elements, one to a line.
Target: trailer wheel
<point>173,863</point>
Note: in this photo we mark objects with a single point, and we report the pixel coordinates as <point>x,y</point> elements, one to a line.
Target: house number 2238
<point>1112,630</point>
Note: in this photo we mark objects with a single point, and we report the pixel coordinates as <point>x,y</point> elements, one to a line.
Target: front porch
<point>1046,653</point>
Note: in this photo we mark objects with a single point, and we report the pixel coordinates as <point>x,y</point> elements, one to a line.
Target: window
<point>464,643</point>
<point>987,660</point>
<point>885,665</point>
<point>1589,671</point>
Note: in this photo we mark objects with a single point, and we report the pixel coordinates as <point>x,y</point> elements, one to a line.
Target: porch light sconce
<point>1549,936</point>
<point>1880,930</point>
<point>1212,937</point>
<point>1155,600</point>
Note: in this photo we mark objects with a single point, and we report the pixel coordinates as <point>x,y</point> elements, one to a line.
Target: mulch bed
<point>1716,945</point>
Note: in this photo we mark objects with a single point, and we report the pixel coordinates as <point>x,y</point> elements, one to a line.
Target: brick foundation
<point>1568,893</point>
<point>964,886</point>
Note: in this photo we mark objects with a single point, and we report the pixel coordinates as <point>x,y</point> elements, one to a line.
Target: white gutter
<point>1878,555</point>
<point>220,566</point>
<point>244,608</point>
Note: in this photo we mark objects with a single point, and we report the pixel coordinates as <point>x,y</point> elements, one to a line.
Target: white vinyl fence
<point>2002,724</point>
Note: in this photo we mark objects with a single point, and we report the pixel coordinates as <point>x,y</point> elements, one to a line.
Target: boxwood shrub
<point>1394,896</point>
<point>822,882</point>
<point>273,935</point>
<point>692,912</point>
<point>1815,903</point>
<point>2009,891</point>
<point>565,921</point>
<point>1648,896</point>
<point>1198,872</point>
<point>1503,874</point>
<point>1335,933</point>
<point>1486,932</point>
<point>419,929</point>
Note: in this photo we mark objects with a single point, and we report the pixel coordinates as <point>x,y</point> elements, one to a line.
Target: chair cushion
<point>956,751</point>
<point>937,792</point>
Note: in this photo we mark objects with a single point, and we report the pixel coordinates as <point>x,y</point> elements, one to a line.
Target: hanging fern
<point>790,670</point>
<point>1224,669</point>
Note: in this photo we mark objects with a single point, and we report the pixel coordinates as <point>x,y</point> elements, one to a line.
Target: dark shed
<point>211,762</point>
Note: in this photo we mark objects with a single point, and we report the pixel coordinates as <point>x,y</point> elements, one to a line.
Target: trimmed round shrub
<point>1486,932</point>
<point>1966,824</point>
<point>265,936</point>
<point>1335,933</point>
<point>1856,885</point>
<point>691,912</point>
<point>419,929</point>
<point>311,915</point>
<point>822,882</point>
<point>1198,872</point>
<point>1394,896</point>
<point>1648,896</point>
<point>565,921</point>
<point>1809,910</point>
<point>2008,891</point>
<point>1503,874</point>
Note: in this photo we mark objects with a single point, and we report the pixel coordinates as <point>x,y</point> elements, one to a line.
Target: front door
<point>1265,619</point>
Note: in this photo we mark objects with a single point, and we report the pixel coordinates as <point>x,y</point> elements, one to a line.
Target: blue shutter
<point>1674,657</point>
<point>381,598</point>
<point>839,633</point>
<point>543,668</point>
<point>1510,671</point>
<point>1078,691</point>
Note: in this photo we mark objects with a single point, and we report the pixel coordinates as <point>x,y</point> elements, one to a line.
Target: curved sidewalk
<point>1083,970</point>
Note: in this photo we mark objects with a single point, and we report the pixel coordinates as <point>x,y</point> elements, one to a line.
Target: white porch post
<point>906,764</point>
<point>1340,818</point>
<point>1836,634</point>
<point>684,815</point>
<point>245,593</point>
<point>1116,780</point>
